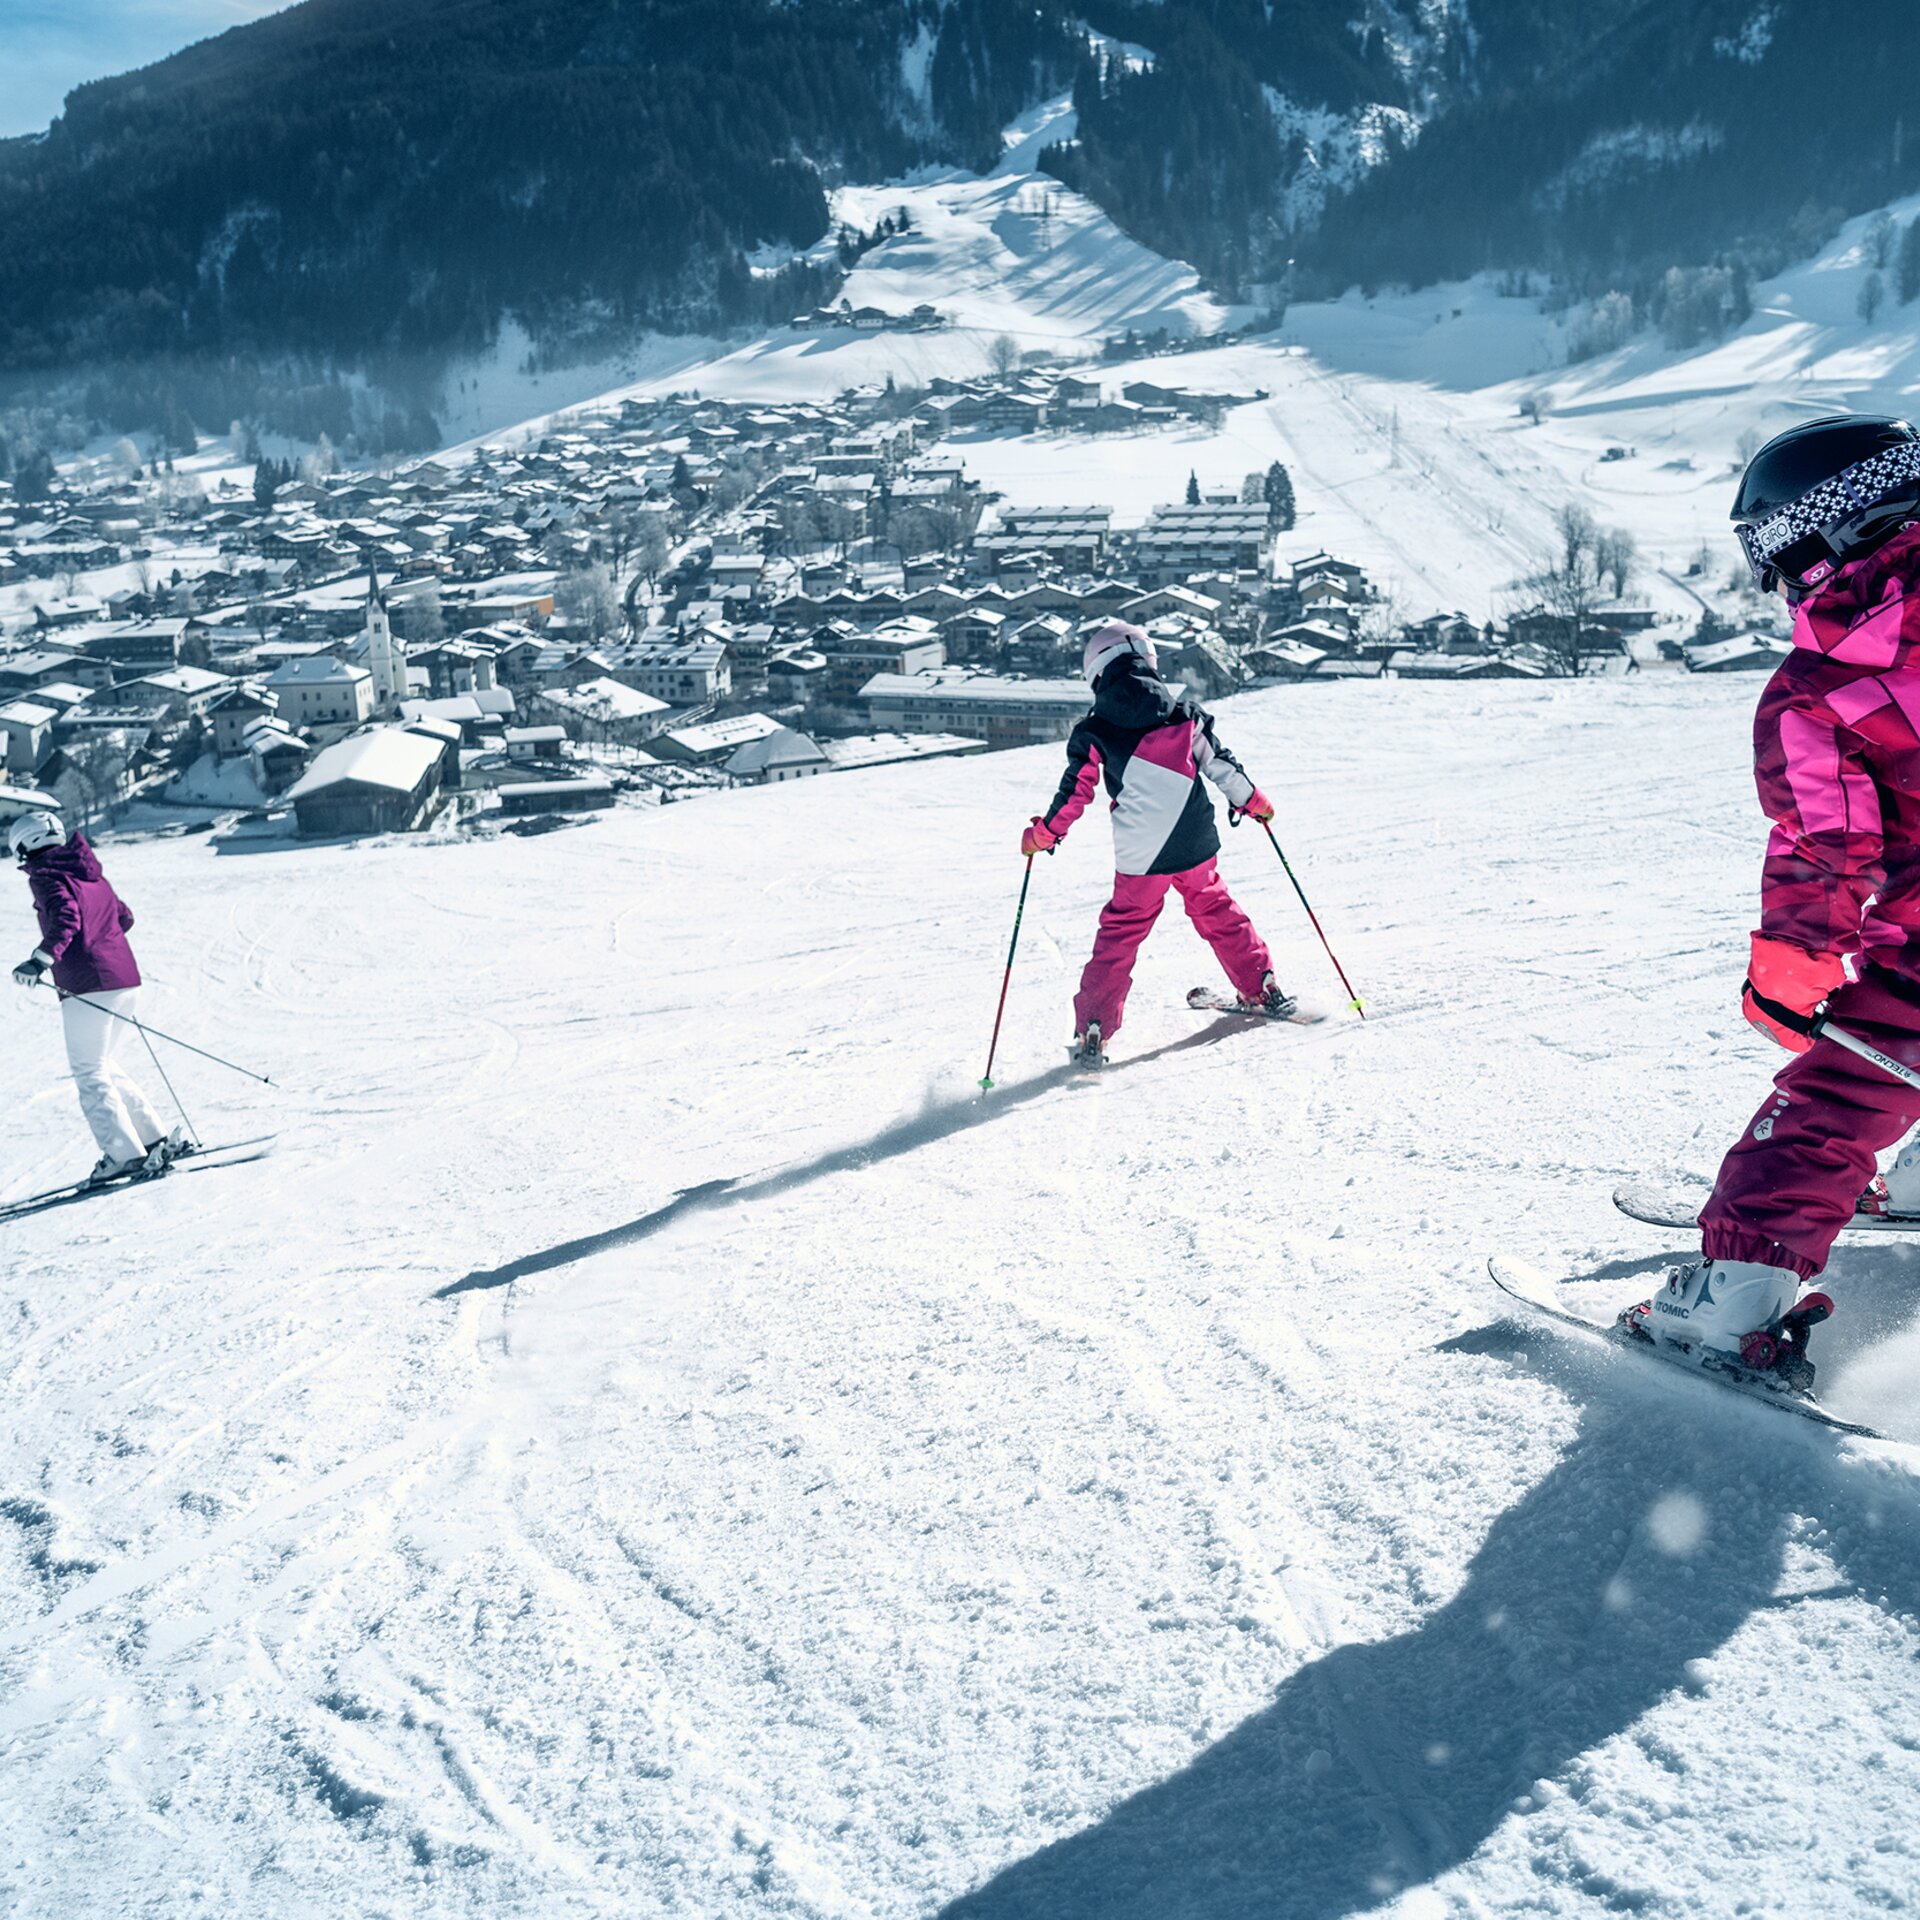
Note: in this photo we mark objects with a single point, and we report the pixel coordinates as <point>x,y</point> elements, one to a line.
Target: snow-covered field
<point>654,1439</point>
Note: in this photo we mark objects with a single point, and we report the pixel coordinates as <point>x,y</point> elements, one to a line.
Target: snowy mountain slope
<point>653,1439</point>
<point>1010,253</point>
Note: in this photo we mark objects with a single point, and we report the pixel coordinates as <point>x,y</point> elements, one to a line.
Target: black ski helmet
<point>1823,493</point>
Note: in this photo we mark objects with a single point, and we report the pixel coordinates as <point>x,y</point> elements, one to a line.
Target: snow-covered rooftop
<point>389,757</point>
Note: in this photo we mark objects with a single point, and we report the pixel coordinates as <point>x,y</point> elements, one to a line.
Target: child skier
<point>1827,513</point>
<point>83,944</point>
<point>1151,750</point>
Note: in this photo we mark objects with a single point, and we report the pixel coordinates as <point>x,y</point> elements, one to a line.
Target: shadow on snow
<point>938,1121</point>
<point>1376,1767</point>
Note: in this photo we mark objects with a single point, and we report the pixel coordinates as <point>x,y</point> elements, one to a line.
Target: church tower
<point>386,657</point>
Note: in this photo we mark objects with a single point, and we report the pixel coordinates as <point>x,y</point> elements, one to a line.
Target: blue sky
<point>47,46</point>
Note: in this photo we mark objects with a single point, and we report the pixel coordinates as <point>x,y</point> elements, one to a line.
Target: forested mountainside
<point>358,175</point>
<point>1684,133</point>
<point>358,179</point>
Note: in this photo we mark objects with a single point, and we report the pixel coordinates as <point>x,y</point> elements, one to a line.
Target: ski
<point>230,1153</point>
<point>1541,1296</point>
<point>1671,1207</point>
<point>1212,1000</point>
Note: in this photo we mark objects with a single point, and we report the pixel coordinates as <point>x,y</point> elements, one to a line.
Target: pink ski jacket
<point>83,922</point>
<point>1837,763</point>
<point>1152,751</point>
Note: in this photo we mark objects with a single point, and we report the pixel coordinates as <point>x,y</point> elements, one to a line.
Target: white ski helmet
<point>1106,644</point>
<point>33,832</point>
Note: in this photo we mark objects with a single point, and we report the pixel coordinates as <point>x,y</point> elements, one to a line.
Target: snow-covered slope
<point>653,1438</point>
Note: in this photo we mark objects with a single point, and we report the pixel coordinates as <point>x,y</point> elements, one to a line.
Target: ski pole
<point>193,1132</point>
<point>187,1045</point>
<point>1353,999</point>
<point>993,1046</point>
<point>1824,1029</point>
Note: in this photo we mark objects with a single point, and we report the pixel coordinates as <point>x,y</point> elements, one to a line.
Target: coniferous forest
<point>378,184</point>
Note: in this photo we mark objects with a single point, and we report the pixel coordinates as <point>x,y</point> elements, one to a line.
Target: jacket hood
<point>1131,694</point>
<point>76,859</point>
<point>1868,614</point>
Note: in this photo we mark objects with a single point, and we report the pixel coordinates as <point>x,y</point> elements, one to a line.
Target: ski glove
<point>1039,838</point>
<point>28,972</point>
<point>1259,807</point>
<point>1786,986</point>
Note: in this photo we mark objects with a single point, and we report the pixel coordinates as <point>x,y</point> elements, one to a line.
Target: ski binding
<point>1540,1295</point>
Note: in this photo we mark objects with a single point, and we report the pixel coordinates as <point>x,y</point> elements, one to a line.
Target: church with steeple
<point>386,656</point>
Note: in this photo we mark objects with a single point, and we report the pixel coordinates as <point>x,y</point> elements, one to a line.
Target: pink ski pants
<point>1793,1178</point>
<point>1128,918</point>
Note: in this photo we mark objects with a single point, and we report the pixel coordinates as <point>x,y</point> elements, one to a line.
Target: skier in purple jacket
<point>83,945</point>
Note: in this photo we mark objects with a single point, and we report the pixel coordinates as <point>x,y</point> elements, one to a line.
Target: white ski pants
<point>122,1117</point>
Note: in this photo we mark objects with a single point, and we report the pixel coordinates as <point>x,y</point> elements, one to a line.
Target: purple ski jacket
<point>83,922</point>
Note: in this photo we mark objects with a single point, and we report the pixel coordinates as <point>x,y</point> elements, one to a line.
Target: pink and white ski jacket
<point>1152,750</point>
<point>1837,763</point>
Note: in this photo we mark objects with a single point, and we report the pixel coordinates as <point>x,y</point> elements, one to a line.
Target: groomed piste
<point>654,1438</point>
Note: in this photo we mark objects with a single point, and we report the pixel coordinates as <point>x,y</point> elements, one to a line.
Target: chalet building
<point>602,709</point>
<point>385,780</point>
<point>1407,665</point>
<point>908,645</point>
<point>579,793</point>
<point>1045,645</point>
<point>146,644</point>
<point>188,691</point>
<point>23,672</point>
<point>798,678</point>
<point>1738,653</point>
<point>714,742</point>
<point>26,737</point>
<point>1002,712</point>
<point>535,743</point>
<point>1275,662</point>
<point>683,673</point>
<point>976,634</point>
<point>322,691</point>
<point>780,756</point>
<point>465,665</point>
<point>1071,537</point>
<point>1182,540</point>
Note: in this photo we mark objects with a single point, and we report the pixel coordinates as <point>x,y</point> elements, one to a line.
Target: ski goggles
<point>1797,544</point>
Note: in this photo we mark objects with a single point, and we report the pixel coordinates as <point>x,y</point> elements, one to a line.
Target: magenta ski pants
<point>1127,919</point>
<point>123,1119</point>
<point>1794,1177</point>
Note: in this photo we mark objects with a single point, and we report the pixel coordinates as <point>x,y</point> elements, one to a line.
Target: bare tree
<point>1616,557</point>
<point>1568,588</point>
<point>420,620</point>
<point>587,595</point>
<point>1880,238</point>
<point>651,546</point>
<point>1004,354</point>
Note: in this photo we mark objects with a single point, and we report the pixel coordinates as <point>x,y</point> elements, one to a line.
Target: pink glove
<point>1038,838</point>
<point>1785,980</point>
<point>1259,807</point>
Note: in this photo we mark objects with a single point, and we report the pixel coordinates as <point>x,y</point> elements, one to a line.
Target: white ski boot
<point>1737,1316</point>
<point>164,1152</point>
<point>1895,1195</point>
<point>106,1171</point>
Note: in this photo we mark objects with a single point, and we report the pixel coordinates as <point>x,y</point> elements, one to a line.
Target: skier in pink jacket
<point>1829,515</point>
<point>1152,751</point>
<point>83,948</point>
